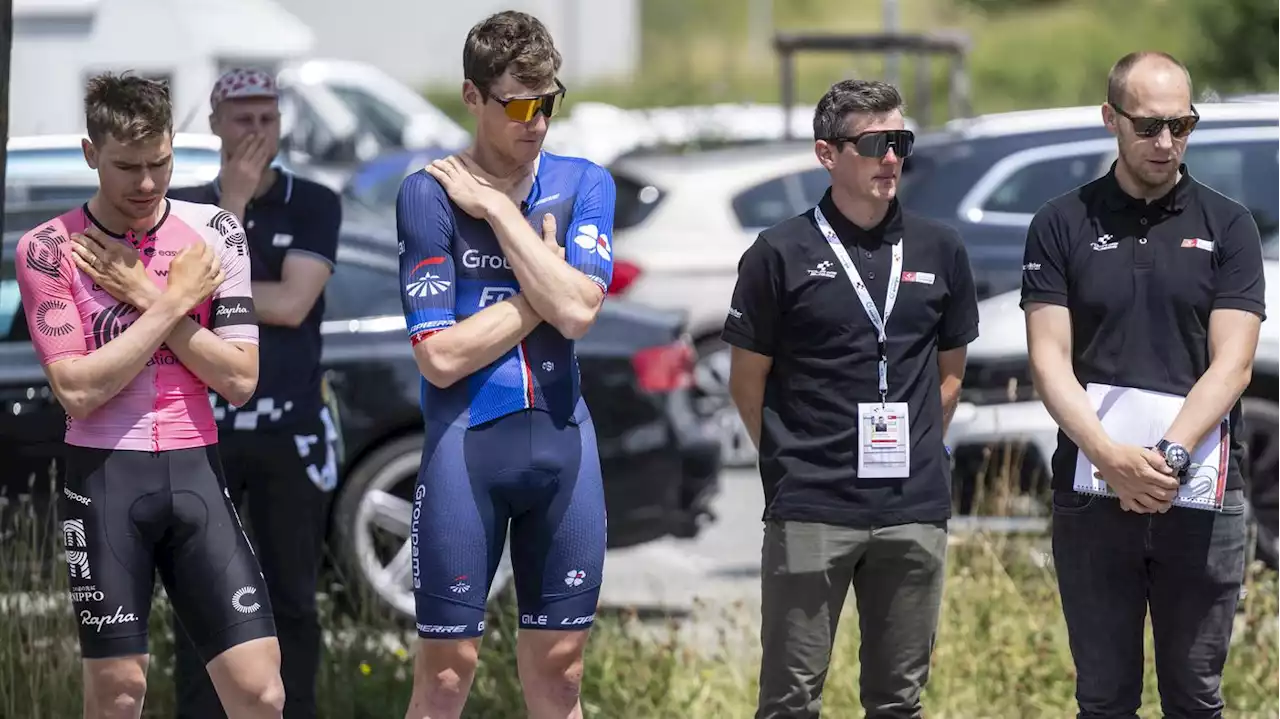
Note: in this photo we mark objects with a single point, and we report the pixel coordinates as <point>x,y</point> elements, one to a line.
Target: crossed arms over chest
<point>448,350</point>
<point>85,378</point>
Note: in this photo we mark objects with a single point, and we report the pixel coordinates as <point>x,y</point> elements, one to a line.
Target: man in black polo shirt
<point>1143,293</point>
<point>848,329</point>
<point>281,447</point>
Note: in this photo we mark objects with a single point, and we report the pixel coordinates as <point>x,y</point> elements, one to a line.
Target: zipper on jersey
<point>155,406</point>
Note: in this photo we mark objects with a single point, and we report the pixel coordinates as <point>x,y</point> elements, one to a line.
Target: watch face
<point>1176,457</point>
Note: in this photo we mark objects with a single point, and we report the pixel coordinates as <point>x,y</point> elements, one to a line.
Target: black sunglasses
<point>877,143</point>
<point>1152,126</point>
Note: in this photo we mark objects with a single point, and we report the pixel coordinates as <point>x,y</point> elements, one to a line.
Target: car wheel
<point>1262,454</point>
<point>714,408</point>
<point>371,528</point>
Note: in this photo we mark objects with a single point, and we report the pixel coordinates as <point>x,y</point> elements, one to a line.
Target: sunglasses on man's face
<point>524,109</point>
<point>1152,126</point>
<point>877,143</point>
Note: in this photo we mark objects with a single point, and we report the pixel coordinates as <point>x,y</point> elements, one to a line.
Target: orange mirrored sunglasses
<point>524,109</point>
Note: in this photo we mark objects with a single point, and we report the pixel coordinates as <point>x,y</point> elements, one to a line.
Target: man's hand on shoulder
<point>115,267</point>
<point>194,274</point>
<point>470,187</point>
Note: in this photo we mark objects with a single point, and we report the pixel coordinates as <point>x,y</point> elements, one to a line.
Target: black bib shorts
<point>128,514</point>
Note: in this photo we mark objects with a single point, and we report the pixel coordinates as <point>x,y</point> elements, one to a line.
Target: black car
<point>660,471</point>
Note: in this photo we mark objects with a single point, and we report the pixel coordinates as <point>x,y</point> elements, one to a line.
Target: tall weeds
<point>1002,649</point>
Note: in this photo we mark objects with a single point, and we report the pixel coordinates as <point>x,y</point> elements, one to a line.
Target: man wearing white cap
<point>281,447</point>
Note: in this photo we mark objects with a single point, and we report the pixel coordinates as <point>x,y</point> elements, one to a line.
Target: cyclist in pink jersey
<point>165,406</point>
<point>139,305</point>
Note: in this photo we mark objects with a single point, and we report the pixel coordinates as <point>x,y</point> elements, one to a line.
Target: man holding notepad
<point>1143,294</point>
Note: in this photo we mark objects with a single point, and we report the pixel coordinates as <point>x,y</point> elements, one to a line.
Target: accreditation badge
<point>884,440</point>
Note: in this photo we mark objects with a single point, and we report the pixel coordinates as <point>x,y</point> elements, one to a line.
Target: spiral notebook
<point>1141,417</point>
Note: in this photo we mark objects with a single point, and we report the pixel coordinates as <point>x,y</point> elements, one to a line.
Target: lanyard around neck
<point>868,305</point>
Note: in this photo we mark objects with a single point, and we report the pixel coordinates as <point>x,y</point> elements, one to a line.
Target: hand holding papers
<point>1141,417</point>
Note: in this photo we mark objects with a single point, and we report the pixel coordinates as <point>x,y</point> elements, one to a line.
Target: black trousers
<point>1184,568</point>
<point>288,479</point>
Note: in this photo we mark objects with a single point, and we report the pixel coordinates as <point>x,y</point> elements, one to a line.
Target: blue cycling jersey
<point>451,267</point>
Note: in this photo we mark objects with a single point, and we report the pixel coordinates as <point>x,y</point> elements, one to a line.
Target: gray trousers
<point>806,571</point>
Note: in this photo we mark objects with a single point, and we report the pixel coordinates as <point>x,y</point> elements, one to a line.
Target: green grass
<point>1002,649</point>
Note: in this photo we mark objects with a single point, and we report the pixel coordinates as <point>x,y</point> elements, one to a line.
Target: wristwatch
<point>1176,456</point>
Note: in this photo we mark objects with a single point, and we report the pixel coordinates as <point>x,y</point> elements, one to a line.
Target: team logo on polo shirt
<point>1199,244</point>
<point>923,278</point>
<point>1106,242</point>
<point>823,269</point>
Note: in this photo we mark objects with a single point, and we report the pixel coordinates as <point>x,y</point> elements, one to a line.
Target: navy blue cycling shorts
<point>523,469</point>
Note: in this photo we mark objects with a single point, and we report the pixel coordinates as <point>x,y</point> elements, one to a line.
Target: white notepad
<point>1142,417</point>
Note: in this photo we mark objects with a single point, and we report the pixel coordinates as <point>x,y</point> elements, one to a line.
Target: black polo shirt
<point>1140,281</point>
<point>293,215</point>
<point>794,303</point>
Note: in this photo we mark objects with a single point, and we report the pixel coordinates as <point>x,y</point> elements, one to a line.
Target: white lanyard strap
<point>868,305</point>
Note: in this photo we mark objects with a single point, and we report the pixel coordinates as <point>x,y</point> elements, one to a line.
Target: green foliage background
<point>1025,53</point>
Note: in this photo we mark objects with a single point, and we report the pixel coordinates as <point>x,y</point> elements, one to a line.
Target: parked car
<point>43,173</point>
<point>684,219</point>
<point>681,223</point>
<point>987,176</point>
<point>659,468</point>
<point>369,194</point>
<point>340,113</point>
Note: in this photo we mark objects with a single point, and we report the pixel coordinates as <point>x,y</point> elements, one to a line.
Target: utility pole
<point>892,61</point>
<point>6,54</point>
<point>760,28</point>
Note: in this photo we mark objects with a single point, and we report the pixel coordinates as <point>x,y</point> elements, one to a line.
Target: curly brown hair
<point>126,107</point>
<point>513,41</point>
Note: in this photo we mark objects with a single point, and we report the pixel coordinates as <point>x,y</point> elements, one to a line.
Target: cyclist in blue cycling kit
<point>493,310</point>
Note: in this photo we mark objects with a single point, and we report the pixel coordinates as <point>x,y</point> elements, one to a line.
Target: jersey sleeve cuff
<point>957,341</point>
<point>1245,304</point>
<point>49,359</point>
<point>1046,296</point>
<point>316,255</point>
<point>742,341</point>
<point>248,338</point>
<point>423,330</point>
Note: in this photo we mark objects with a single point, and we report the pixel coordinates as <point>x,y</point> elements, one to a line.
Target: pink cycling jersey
<point>165,407</point>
